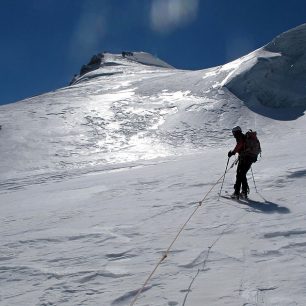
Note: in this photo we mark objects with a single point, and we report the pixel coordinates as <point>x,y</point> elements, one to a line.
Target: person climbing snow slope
<point>248,148</point>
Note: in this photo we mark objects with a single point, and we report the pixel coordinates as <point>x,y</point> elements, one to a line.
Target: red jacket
<point>240,145</point>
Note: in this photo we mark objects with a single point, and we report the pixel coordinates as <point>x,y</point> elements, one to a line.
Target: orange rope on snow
<point>176,237</point>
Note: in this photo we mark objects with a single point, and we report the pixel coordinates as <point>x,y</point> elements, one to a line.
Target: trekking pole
<point>223,178</point>
<point>254,180</point>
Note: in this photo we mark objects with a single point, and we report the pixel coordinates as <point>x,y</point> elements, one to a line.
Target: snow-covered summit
<point>145,59</point>
<point>105,64</point>
<point>133,106</point>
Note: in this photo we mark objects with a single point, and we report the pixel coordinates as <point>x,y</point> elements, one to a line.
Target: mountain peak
<point>126,58</point>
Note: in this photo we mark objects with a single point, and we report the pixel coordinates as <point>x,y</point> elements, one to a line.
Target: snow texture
<point>97,178</point>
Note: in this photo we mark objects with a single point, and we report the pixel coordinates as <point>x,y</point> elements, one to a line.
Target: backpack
<point>252,145</point>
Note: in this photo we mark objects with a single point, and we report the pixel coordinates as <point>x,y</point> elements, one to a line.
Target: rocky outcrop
<point>94,63</point>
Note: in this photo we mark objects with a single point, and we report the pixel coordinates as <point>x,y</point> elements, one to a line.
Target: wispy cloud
<point>89,31</point>
<point>167,15</point>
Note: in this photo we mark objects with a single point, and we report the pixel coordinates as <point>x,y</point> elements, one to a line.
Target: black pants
<point>243,167</point>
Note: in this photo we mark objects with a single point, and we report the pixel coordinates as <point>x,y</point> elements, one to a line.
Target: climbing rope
<point>208,253</point>
<point>165,255</point>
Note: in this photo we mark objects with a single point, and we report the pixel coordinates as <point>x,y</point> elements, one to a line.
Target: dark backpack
<point>252,145</point>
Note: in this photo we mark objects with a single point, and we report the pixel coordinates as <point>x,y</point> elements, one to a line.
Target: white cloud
<point>167,15</point>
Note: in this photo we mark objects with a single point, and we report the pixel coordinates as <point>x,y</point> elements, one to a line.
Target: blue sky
<point>45,42</point>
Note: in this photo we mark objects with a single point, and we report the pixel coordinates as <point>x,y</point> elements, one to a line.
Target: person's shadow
<point>267,206</point>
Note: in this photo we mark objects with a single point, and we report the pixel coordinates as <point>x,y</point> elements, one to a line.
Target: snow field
<point>97,178</point>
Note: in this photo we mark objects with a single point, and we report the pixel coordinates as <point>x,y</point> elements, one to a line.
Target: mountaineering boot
<point>243,195</point>
<point>245,192</point>
<point>235,195</point>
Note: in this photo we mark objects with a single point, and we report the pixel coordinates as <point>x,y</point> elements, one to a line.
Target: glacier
<point>96,179</point>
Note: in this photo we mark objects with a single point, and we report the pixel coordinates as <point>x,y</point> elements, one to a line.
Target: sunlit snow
<point>97,178</point>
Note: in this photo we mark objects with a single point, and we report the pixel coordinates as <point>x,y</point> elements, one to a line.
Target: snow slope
<point>97,178</point>
<point>274,76</point>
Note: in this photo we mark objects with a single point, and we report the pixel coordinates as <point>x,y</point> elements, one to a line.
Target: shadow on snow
<point>267,206</point>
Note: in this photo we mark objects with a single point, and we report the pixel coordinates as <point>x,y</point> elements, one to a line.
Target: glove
<point>229,154</point>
